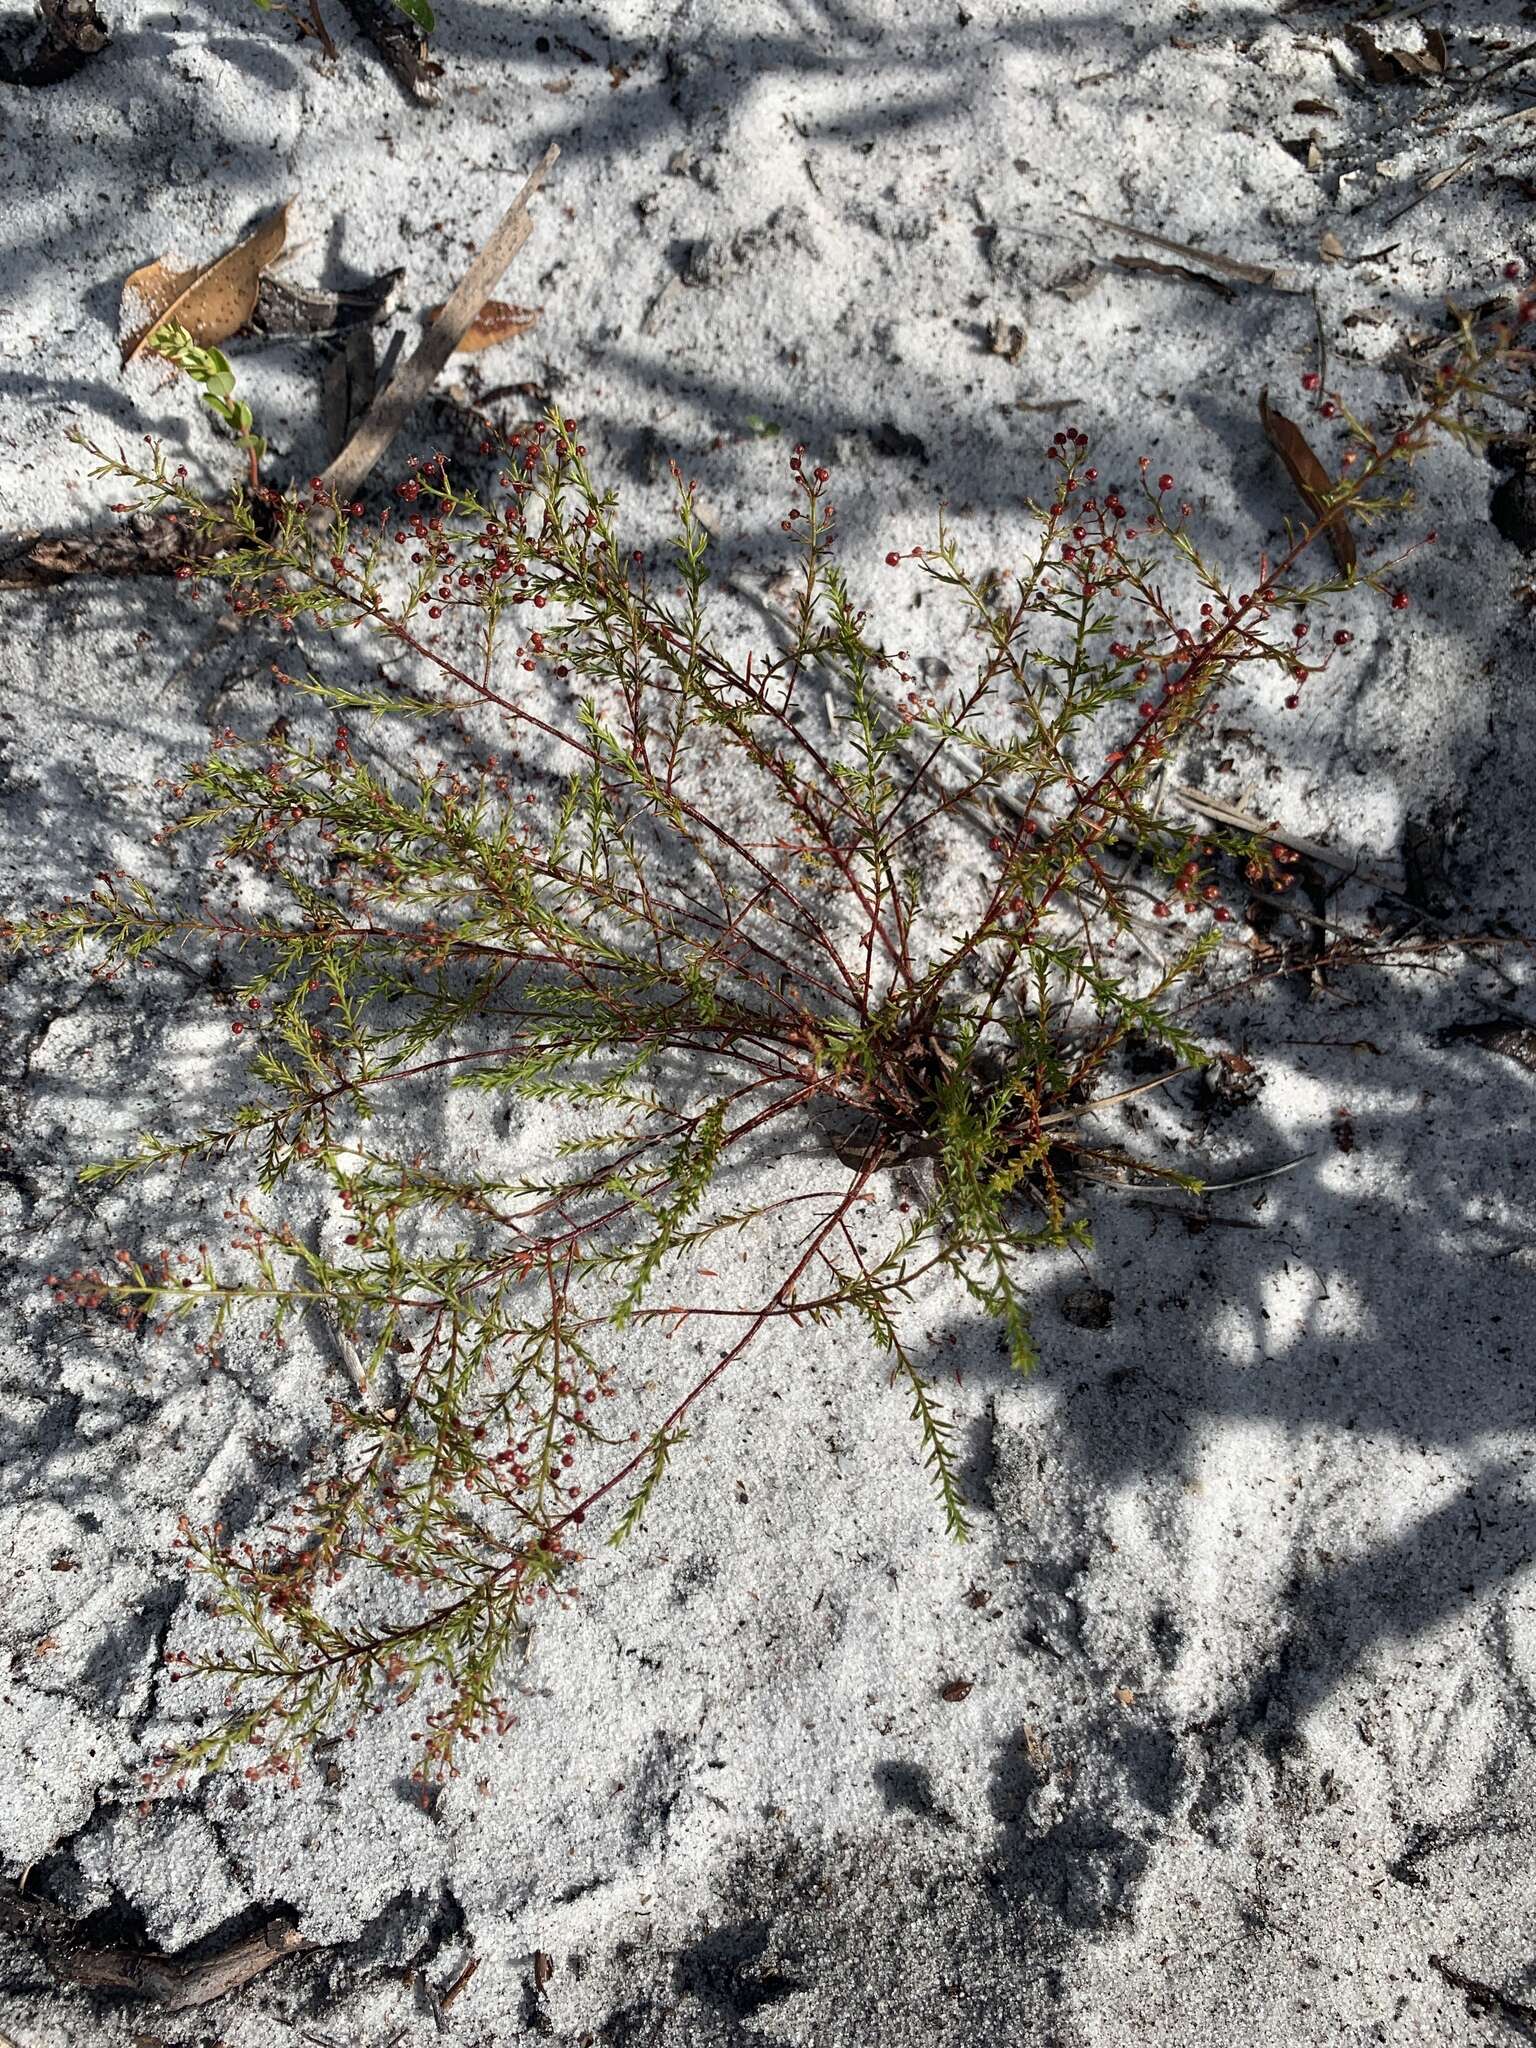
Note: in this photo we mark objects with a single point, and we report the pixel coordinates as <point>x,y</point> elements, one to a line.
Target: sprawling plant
<point>755,927</point>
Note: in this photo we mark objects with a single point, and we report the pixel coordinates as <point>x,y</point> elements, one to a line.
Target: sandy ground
<point>1248,1621</point>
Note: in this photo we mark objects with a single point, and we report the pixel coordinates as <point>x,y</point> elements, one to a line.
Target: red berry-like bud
<point>1329,410</point>
<point>1514,268</point>
<point>822,475</point>
<point>1341,638</point>
<point>1400,600</point>
<point>1311,381</point>
<point>1165,482</point>
<point>893,560</point>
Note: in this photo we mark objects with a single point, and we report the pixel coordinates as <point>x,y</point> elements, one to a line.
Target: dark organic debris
<point>897,445</point>
<point>1394,67</point>
<point>1512,509</point>
<point>73,33</point>
<point>1427,884</point>
<point>1485,1997</point>
<point>1516,1040</point>
<point>1228,1083</point>
<point>172,1984</point>
<point>1088,1308</point>
<point>403,49</point>
<point>285,311</point>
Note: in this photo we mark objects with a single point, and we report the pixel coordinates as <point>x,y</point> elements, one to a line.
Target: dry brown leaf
<point>1309,477</point>
<point>957,1690</point>
<point>1330,248</point>
<point>496,321</point>
<point>1388,67</point>
<point>212,300</point>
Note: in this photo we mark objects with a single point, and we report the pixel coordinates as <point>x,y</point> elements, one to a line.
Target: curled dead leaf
<point>495,322</point>
<point>957,1690</point>
<point>1310,478</point>
<point>211,301</point>
<point>1390,66</point>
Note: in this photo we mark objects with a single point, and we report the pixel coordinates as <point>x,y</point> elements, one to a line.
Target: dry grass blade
<point>1208,259</point>
<point>212,300</point>
<point>1310,478</point>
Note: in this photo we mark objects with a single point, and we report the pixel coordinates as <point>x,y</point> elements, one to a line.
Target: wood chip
<point>286,311</point>
<point>1005,339</point>
<point>348,386</point>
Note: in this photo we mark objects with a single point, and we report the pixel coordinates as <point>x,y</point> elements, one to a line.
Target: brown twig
<point>405,391</point>
<point>173,1985</point>
<point>459,1982</point>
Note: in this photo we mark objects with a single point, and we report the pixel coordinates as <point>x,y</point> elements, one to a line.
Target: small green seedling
<point>209,367</point>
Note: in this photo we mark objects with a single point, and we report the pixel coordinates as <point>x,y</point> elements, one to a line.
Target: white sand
<point>1254,1673</point>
